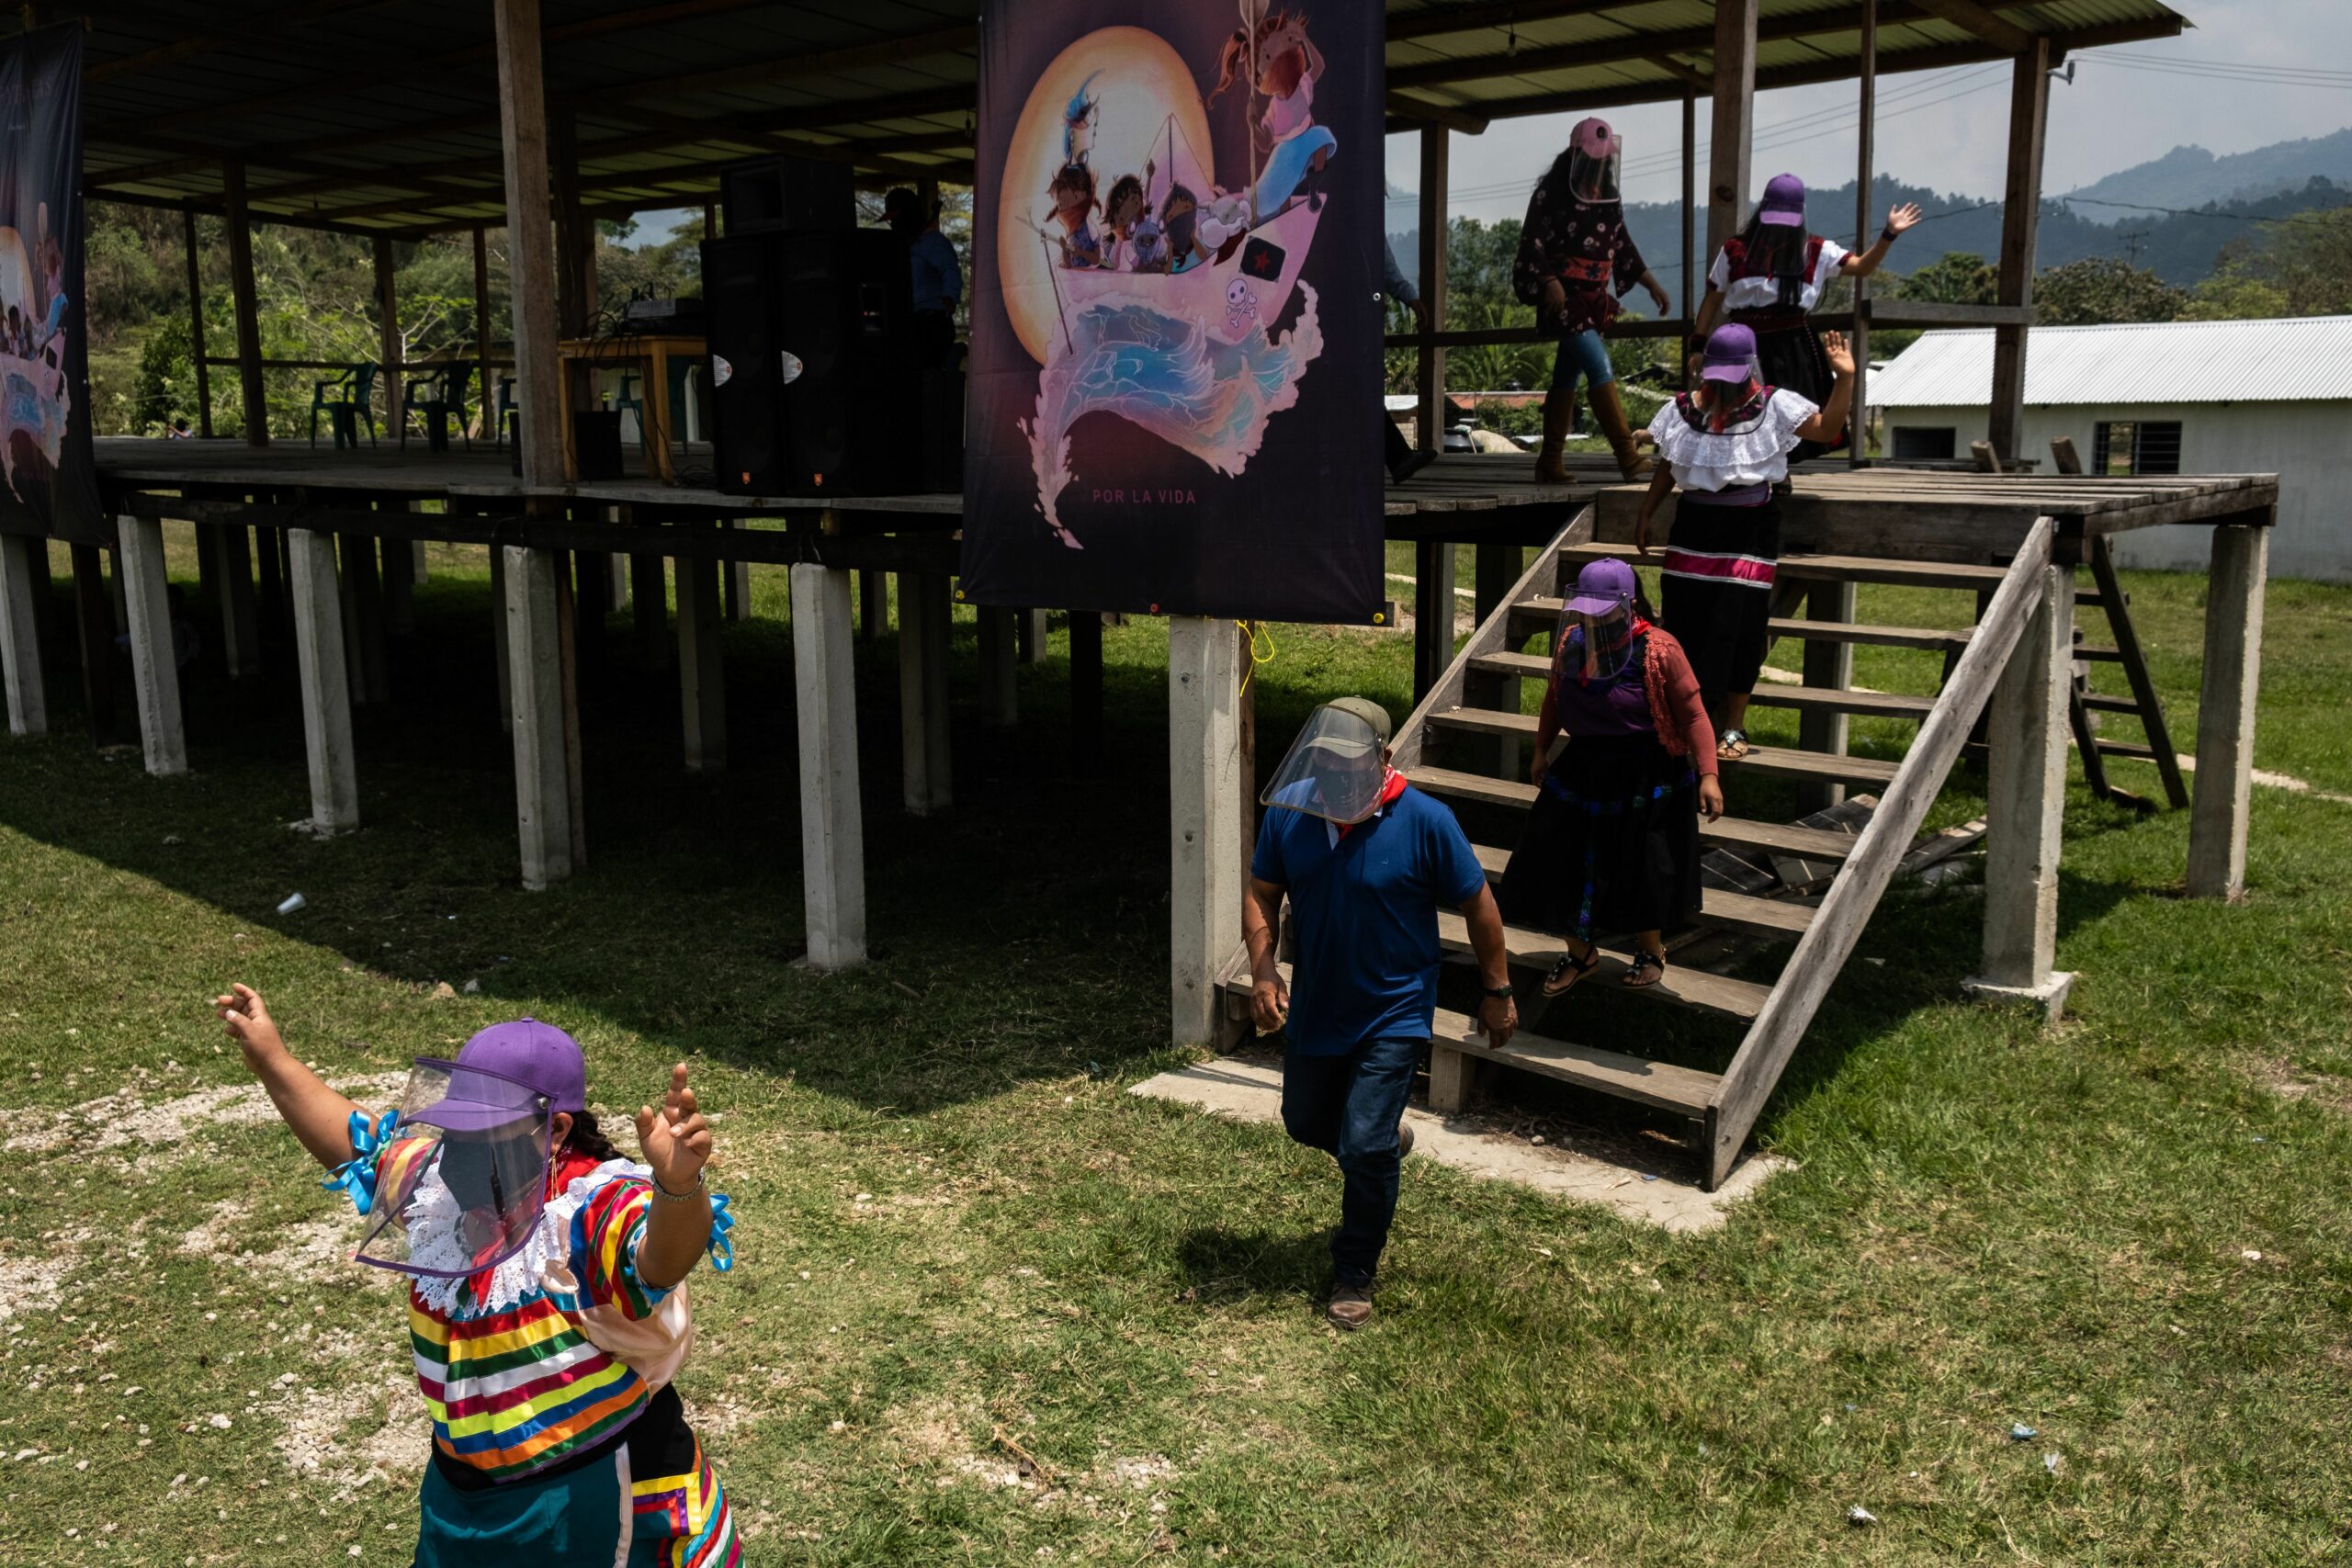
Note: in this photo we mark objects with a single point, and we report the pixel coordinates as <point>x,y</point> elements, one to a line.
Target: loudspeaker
<point>597,443</point>
<point>812,362</point>
<point>760,196</point>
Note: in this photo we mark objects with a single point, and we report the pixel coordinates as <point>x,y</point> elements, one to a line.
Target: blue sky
<point>1946,128</point>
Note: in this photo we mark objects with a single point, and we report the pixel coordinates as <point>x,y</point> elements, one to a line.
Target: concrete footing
<point>154,667</point>
<point>24,579</point>
<point>326,686</point>
<point>832,824</point>
<point>2049,995</point>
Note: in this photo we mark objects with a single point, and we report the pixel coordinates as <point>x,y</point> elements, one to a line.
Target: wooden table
<point>650,350</point>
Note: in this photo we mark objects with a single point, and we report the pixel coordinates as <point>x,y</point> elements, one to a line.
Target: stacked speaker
<point>813,367</point>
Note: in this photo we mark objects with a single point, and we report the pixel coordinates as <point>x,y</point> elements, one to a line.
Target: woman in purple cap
<point>1771,275</point>
<point>1727,444</point>
<point>547,1308</point>
<point>1575,259</point>
<point>1612,845</point>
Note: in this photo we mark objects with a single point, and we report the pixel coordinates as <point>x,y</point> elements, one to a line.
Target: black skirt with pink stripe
<point>1716,590</point>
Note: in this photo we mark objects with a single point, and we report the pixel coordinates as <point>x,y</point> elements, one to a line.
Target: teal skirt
<point>588,1516</point>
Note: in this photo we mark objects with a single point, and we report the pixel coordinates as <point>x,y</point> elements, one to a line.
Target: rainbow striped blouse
<point>516,1391</point>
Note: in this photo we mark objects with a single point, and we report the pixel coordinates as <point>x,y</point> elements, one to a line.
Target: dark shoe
<point>1404,1139</point>
<point>1405,469</point>
<point>1350,1306</point>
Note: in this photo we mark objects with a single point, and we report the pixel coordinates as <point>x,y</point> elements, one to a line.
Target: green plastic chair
<point>345,400</point>
<point>433,399</point>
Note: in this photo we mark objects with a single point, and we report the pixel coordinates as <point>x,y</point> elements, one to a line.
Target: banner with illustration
<point>1175,368</point>
<point>52,482</point>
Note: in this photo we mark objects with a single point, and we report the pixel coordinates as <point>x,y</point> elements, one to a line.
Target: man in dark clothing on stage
<point>1366,861</point>
<point>1402,460</point>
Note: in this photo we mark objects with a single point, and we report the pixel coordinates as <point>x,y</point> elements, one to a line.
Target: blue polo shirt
<point>1364,912</point>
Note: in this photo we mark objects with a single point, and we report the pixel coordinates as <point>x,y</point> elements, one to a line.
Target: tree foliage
<point>2100,289</point>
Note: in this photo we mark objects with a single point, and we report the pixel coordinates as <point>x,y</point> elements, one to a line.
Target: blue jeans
<point>1348,1106</point>
<point>1581,353</point>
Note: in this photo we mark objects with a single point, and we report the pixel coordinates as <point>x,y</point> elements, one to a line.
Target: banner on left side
<point>52,480</point>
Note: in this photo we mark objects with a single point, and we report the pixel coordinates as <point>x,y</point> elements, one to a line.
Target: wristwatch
<point>1503,991</point>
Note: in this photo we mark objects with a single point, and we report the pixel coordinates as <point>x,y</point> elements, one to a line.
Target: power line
<point>2304,216</point>
<point>2172,60</point>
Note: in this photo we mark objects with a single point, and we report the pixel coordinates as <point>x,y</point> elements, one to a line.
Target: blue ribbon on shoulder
<point>722,1251</point>
<point>356,1177</point>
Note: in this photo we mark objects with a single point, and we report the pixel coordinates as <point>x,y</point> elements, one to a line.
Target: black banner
<point>1176,355</point>
<point>51,481</point>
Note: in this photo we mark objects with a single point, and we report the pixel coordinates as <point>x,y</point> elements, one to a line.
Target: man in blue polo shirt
<point>1366,861</point>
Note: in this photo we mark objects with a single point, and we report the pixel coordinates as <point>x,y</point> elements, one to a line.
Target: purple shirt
<point>1618,705</point>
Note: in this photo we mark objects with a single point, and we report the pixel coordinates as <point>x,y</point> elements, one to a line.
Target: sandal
<point>1731,746</point>
<point>1569,971</point>
<point>1644,962</point>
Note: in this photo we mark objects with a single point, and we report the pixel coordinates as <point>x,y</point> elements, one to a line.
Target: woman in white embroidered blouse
<point>1726,445</point>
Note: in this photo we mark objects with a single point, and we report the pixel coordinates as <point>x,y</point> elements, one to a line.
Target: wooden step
<point>1892,573</point>
<point>2098,702</point>
<point>1736,999</point>
<point>1684,1090</point>
<point>2098,655</point>
<point>1875,637</point>
<point>2127,749</point>
<point>1717,906</point>
<point>1521,664</point>
<point>1828,699</point>
<point>1828,568</point>
<point>1778,760</point>
<point>1729,833</point>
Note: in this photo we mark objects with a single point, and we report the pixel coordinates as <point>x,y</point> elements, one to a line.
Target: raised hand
<point>1840,356</point>
<point>1903,219</point>
<point>675,1138</point>
<point>247,1018</point>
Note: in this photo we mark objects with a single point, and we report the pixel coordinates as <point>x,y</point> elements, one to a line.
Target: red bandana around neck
<point>1391,785</point>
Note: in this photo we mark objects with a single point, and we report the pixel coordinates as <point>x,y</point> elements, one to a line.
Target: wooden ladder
<point>1477,700</point>
<point>2107,594</point>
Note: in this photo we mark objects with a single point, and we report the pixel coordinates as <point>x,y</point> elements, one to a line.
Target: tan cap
<point>1361,708</point>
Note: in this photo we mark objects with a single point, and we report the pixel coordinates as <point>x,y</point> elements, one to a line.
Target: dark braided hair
<point>587,1139</point>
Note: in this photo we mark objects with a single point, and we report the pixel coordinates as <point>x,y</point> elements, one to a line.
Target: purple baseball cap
<point>1784,202</point>
<point>1731,354</point>
<point>501,1073</point>
<point>1604,588</point>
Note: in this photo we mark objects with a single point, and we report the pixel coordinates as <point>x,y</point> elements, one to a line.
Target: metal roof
<point>2292,359</point>
<point>382,115</point>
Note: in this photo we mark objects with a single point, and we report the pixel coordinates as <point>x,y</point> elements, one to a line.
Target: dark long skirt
<point>1612,845</point>
<point>1715,595</point>
<point>1793,356</point>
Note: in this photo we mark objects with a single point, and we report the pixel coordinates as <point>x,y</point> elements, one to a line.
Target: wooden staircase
<point>1472,711</point>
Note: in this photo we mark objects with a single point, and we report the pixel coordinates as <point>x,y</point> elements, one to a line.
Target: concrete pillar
<point>649,589</point>
<point>2026,803</point>
<point>873,605</point>
<point>616,584</point>
<point>832,824</point>
<point>542,772</point>
<point>363,623</point>
<point>154,668</point>
<point>1830,666</point>
<point>232,578</point>
<point>1000,667</point>
<point>702,676</point>
<point>418,570</point>
<point>501,655</point>
<point>1204,819</point>
<point>2225,789</point>
<point>1034,634</point>
<point>326,687</point>
<point>739,583</point>
<point>399,586</point>
<point>24,578</point>
<point>924,628</point>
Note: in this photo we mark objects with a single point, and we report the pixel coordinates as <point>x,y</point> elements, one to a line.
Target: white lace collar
<point>433,1240</point>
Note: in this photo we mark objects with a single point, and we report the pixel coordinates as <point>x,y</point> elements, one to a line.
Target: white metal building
<point>2160,398</point>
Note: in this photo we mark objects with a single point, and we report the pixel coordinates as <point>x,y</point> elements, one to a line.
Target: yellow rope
<point>1261,648</point>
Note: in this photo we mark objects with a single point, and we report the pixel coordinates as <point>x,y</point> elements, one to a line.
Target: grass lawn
<point>962,1241</point>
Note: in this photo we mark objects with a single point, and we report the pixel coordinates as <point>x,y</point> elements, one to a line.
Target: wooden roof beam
<point>1647,46</point>
<point>2001,33</point>
<point>1406,113</point>
<point>308,13</point>
<point>1439,21</point>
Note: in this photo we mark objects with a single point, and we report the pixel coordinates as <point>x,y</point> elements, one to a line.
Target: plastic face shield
<point>1593,158</point>
<point>1596,636</point>
<point>1335,770</point>
<point>468,1163</point>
